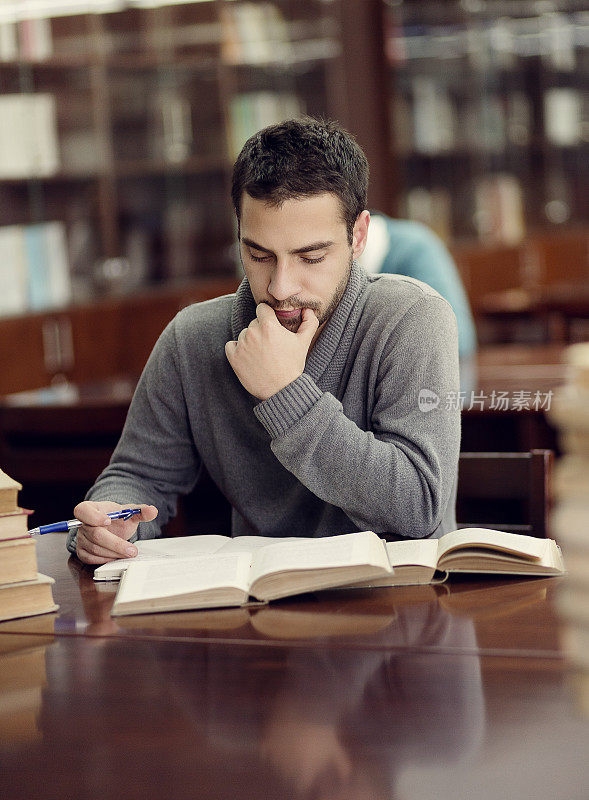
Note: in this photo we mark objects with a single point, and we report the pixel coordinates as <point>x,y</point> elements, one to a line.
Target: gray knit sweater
<point>344,447</point>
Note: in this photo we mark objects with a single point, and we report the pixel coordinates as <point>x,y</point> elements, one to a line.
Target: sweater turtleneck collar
<point>324,349</point>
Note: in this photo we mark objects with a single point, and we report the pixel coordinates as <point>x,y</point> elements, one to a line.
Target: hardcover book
<point>235,572</point>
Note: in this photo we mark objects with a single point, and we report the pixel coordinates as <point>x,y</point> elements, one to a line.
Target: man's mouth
<point>292,313</point>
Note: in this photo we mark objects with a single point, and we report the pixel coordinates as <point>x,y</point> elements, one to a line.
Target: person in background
<point>409,248</point>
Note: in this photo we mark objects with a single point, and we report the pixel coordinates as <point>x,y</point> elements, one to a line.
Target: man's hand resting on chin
<point>102,539</point>
<point>266,356</point>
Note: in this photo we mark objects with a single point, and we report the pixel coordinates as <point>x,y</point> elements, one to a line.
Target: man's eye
<point>266,257</point>
<point>308,260</point>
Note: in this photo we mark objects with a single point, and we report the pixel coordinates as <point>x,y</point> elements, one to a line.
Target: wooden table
<point>416,692</point>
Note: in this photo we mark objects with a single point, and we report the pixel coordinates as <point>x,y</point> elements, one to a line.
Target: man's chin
<point>291,324</point>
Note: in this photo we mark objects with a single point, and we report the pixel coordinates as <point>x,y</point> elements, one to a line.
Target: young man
<point>315,396</point>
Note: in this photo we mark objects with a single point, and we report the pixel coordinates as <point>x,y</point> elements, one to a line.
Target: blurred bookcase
<point>120,125</point>
<point>489,115</point>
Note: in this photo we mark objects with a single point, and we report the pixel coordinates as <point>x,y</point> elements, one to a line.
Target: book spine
<point>58,267</point>
<point>36,263</point>
<point>8,41</point>
<point>13,271</point>
<point>28,135</point>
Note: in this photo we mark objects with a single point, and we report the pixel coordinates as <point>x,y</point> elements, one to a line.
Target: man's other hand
<point>102,539</point>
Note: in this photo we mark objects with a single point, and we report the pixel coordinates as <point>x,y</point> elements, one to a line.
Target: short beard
<point>294,324</point>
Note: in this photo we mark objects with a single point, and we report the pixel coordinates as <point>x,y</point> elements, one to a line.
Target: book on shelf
<point>563,116</point>
<point>13,269</point>
<point>254,33</point>
<point>434,126</point>
<point>29,145</point>
<point>58,274</point>
<point>432,207</point>
<point>215,571</point>
<point>34,270</point>
<point>35,39</point>
<point>249,112</point>
<point>499,209</point>
<point>8,41</point>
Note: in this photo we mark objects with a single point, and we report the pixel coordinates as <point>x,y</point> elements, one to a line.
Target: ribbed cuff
<point>281,411</point>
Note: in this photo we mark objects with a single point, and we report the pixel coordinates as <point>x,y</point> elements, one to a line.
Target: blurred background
<point>119,124</point>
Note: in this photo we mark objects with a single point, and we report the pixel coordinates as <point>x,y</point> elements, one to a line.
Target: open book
<point>231,577</point>
<point>470,550</point>
<point>216,571</point>
<point>187,547</point>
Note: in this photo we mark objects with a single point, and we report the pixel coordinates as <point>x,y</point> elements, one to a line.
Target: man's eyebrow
<point>308,248</point>
<point>255,245</point>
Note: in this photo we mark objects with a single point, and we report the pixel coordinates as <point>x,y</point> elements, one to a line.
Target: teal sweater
<point>410,248</point>
<point>344,447</point>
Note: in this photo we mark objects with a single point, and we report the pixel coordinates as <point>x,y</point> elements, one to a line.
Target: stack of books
<point>23,590</point>
<point>570,517</point>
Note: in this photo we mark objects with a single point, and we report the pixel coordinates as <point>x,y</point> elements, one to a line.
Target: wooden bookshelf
<point>488,130</point>
<point>146,126</point>
<point>150,105</point>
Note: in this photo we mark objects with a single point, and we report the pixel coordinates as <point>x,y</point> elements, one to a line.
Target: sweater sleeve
<point>398,475</point>
<point>155,459</point>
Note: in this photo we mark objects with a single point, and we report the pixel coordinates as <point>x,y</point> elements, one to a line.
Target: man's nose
<point>283,282</point>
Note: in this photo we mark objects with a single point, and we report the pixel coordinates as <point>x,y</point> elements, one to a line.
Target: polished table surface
<point>455,691</point>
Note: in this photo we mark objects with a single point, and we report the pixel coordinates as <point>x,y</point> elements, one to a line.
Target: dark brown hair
<point>299,158</point>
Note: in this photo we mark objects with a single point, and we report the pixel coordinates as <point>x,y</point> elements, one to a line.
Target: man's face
<point>297,255</point>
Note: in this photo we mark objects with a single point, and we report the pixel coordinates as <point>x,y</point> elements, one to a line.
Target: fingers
<point>309,324</point>
<point>97,544</point>
<point>264,312</point>
<point>148,513</point>
<point>230,350</point>
<point>93,513</point>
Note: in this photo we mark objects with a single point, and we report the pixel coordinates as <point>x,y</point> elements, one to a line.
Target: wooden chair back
<point>505,491</point>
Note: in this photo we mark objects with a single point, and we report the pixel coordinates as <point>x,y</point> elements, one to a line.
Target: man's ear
<point>360,234</point>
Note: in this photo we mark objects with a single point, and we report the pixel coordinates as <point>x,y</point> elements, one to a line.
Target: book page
<point>413,552</point>
<point>240,544</point>
<point>526,546</point>
<point>158,549</point>
<point>325,553</point>
<point>184,576</point>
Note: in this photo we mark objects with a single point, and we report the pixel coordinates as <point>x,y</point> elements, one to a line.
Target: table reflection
<point>221,720</point>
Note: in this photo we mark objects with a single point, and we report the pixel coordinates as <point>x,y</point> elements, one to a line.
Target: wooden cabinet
<point>91,342</point>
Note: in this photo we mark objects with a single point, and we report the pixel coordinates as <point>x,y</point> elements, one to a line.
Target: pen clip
<point>127,513</point>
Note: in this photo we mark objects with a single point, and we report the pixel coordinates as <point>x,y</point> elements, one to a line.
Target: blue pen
<point>71,524</point>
